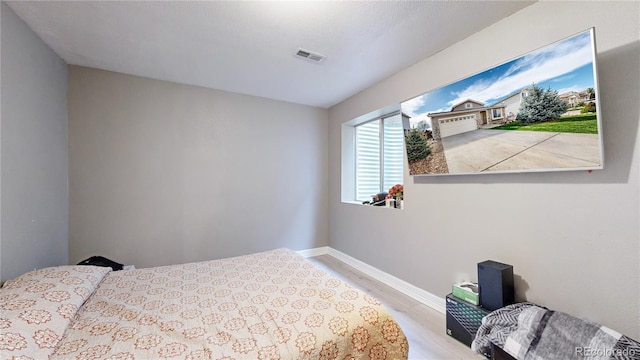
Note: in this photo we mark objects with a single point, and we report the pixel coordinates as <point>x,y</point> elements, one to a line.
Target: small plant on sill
<point>397,191</point>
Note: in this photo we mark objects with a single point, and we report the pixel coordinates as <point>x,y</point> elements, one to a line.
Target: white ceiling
<point>248,47</point>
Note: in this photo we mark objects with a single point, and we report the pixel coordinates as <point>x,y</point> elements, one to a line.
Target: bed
<point>270,305</point>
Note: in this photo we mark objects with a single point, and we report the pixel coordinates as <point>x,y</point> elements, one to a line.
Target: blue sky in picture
<point>566,65</point>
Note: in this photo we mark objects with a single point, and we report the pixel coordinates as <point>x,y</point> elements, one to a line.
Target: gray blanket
<point>529,332</point>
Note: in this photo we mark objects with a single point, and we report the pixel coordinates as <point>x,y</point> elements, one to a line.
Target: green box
<point>466,291</point>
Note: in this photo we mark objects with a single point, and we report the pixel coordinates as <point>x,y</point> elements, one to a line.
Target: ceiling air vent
<point>310,55</point>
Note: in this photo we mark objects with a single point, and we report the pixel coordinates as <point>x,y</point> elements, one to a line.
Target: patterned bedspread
<point>272,305</point>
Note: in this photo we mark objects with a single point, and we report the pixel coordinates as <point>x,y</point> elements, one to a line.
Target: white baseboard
<point>324,250</point>
<point>433,301</point>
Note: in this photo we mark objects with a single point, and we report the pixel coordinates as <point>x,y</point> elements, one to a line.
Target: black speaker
<point>496,284</point>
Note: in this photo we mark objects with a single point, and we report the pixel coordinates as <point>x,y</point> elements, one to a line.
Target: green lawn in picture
<point>582,124</point>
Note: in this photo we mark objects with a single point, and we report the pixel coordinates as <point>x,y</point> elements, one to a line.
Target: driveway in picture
<point>506,150</point>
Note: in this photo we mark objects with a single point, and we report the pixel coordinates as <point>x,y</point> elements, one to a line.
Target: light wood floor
<point>423,326</point>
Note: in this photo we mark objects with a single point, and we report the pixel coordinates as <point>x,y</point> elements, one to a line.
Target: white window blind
<point>393,153</point>
<point>379,156</point>
<point>367,160</point>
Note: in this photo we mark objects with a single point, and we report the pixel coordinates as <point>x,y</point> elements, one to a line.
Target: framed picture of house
<point>538,112</point>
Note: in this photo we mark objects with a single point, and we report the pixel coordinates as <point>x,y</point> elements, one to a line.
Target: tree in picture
<point>589,108</point>
<point>417,145</point>
<point>541,105</point>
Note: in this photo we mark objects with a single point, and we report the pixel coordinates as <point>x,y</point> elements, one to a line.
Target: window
<point>379,156</point>
<point>497,113</point>
<point>468,106</point>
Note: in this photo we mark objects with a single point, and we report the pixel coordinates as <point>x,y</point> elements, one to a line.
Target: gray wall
<point>573,237</point>
<point>162,173</point>
<point>34,226</point>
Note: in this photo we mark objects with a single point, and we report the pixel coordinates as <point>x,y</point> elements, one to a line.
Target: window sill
<point>371,206</point>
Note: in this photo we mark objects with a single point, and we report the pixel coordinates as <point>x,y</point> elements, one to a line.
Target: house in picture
<point>471,115</point>
<point>572,98</point>
<point>512,103</point>
<point>466,116</point>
